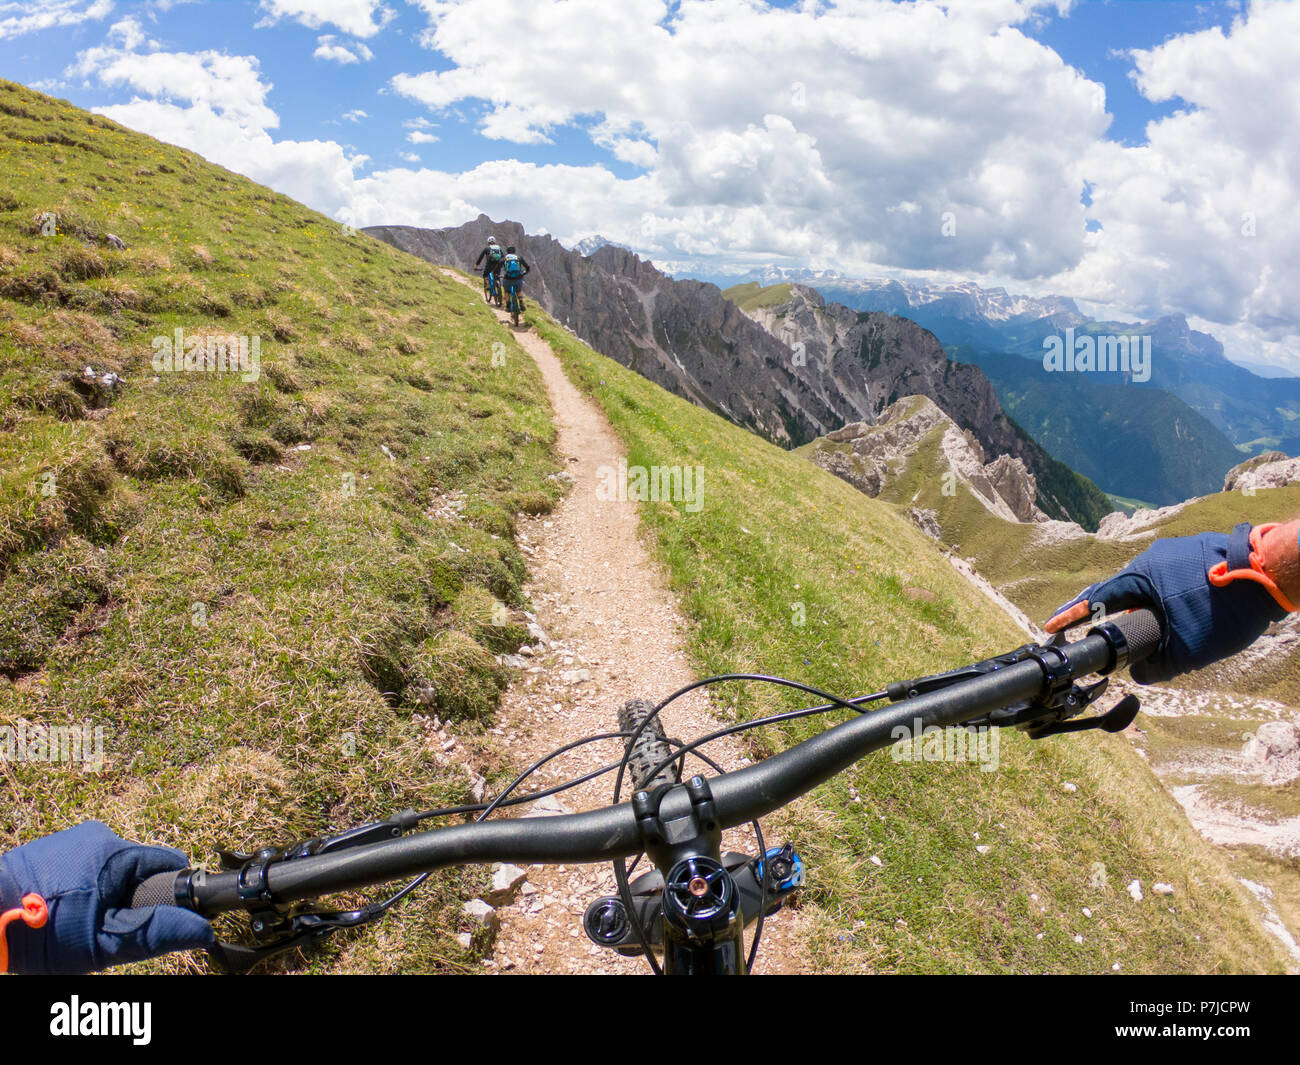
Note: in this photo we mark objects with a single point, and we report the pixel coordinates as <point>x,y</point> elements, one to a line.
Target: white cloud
<point>129,32</point>
<point>555,197</point>
<point>360,18</point>
<point>328,47</point>
<point>419,137</point>
<point>215,104</point>
<point>1201,219</point>
<point>355,115</point>
<point>819,117</point>
<point>31,16</point>
<point>229,84</point>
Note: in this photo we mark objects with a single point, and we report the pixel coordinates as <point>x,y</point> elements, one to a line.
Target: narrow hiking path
<point>610,630</point>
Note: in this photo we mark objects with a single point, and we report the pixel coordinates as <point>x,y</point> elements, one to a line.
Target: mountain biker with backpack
<point>493,259</point>
<point>514,268</point>
<point>65,899</point>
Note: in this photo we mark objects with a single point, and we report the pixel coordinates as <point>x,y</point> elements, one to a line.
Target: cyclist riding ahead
<point>514,269</point>
<point>75,901</point>
<point>493,259</point>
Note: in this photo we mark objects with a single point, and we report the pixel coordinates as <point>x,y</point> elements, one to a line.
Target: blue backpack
<point>514,268</point>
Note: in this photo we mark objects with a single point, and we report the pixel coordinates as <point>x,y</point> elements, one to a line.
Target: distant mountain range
<point>1252,412</point>
<point>1158,440</point>
<point>689,338</point>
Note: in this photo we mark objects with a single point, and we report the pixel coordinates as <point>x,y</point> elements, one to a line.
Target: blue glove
<point>87,875</point>
<point>1202,622</point>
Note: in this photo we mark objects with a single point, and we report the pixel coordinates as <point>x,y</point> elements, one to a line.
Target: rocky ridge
<point>871,455</point>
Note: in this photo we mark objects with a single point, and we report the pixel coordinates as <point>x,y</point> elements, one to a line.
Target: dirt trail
<point>612,631</point>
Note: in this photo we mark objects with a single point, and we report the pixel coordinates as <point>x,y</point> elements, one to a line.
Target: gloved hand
<point>1211,592</point>
<point>87,875</point>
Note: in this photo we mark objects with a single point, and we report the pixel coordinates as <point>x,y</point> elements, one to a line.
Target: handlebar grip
<point>1143,631</point>
<point>157,890</point>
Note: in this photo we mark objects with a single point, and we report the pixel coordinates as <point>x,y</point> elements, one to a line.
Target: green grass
<point>1038,575</point>
<point>1128,506</point>
<point>253,586</point>
<point>879,603</point>
<point>751,295</point>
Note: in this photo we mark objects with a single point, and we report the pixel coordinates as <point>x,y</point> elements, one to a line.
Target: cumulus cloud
<point>360,18</point>
<point>228,84</point>
<point>215,104</point>
<point>32,16</point>
<point>1201,218</point>
<point>815,115</point>
<point>329,47</point>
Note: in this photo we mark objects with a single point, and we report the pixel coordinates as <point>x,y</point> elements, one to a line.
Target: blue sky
<point>1096,34</point>
<point>1131,155</point>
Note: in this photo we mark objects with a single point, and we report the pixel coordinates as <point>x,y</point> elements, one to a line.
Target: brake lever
<point>1116,719</point>
<point>290,933</point>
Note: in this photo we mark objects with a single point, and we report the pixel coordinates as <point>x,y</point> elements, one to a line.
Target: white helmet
<point>492,240</point>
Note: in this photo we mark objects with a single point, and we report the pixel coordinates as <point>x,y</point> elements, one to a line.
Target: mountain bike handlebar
<point>1035,676</point>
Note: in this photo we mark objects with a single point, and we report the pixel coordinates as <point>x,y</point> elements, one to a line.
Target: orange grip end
<point>33,913</point>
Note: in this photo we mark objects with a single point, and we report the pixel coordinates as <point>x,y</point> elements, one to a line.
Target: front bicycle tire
<point>649,749</point>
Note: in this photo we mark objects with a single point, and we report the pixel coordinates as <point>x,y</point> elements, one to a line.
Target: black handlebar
<point>612,832</point>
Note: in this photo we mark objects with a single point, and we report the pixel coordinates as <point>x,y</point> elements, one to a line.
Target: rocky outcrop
<point>1275,750</point>
<point>875,358</point>
<point>1272,469</point>
<point>870,456</point>
<point>1120,526</point>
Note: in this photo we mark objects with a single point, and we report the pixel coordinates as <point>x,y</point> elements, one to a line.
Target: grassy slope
<point>751,295</point>
<point>1037,576</point>
<point>178,568</point>
<point>880,603</point>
